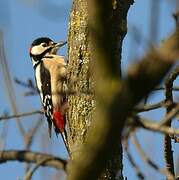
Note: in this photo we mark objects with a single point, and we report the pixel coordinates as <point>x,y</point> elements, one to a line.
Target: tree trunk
<point>81,105</point>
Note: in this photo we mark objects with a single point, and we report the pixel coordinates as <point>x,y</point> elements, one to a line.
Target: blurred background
<point>22,21</point>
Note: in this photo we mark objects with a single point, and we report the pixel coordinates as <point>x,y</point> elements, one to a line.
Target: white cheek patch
<point>36,50</point>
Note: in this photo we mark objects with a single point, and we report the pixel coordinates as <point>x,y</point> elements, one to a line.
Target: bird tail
<point>65,140</point>
<point>49,125</point>
<point>59,121</point>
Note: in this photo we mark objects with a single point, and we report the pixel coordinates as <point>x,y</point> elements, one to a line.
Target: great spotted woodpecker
<point>50,75</point>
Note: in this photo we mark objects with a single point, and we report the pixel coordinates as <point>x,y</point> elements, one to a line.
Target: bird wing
<point>46,95</point>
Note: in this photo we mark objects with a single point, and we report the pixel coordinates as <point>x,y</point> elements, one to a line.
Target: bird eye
<point>44,44</point>
<point>51,43</point>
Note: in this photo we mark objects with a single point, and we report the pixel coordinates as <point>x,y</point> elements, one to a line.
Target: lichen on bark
<point>81,105</point>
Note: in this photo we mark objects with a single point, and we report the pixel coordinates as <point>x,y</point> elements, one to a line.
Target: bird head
<point>42,47</point>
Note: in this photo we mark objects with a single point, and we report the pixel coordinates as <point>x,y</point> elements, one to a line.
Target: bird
<point>50,76</point>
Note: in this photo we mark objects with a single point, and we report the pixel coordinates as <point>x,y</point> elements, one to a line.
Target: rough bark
<point>81,105</point>
<point>80,78</point>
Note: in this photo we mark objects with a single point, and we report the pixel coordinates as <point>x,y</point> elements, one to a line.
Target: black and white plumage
<point>50,74</point>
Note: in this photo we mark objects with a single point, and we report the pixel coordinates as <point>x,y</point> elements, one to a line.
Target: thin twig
<point>4,133</point>
<point>153,126</point>
<point>148,160</point>
<point>30,173</point>
<point>149,107</point>
<point>29,84</point>
<point>33,90</point>
<point>136,168</point>
<point>21,115</point>
<point>31,134</point>
<point>175,88</point>
<point>169,116</point>
<point>8,82</point>
<point>29,139</point>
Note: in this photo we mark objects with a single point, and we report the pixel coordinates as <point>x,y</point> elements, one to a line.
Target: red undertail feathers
<point>59,121</point>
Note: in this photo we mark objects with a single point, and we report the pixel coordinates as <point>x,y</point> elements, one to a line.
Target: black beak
<point>60,44</point>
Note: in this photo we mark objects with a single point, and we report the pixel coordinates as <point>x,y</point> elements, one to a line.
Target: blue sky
<point>24,20</point>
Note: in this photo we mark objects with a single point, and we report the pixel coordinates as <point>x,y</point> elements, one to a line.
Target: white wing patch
<point>47,103</point>
<point>38,80</point>
<point>47,100</point>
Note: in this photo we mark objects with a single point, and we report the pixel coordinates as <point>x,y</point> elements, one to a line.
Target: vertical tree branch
<point>118,103</point>
<point>81,108</point>
<point>81,68</point>
<point>9,86</point>
<point>168,153</point>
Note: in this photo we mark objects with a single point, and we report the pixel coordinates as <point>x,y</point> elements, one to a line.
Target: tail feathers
<point>59,122</point>
<point>65,140</point>
<point>49,127</point>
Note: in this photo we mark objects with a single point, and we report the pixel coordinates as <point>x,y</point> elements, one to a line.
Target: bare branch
<point>4,133</point>
<point>8,82</point>
<point>21,115</point>
<point>175,88</point>
<point>168,152</point>
<point>154,126</point>
<point>32,157</point>
<point>30,173</point>
<point>131,160</point>
<point>170,115</point>
<point>29,137</point>
<point>148,160</point>
<point>33,90</point>
<point>29,84</point>
<point>149,107</point>
<point>31,134</point>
